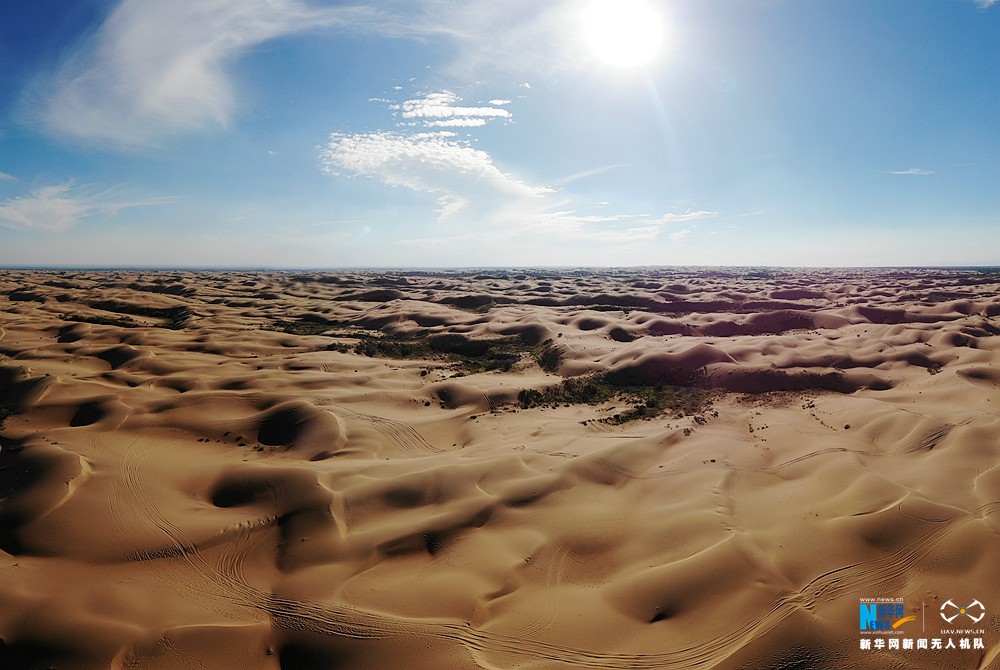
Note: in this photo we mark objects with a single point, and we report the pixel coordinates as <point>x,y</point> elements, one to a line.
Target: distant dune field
<point>664,468</point>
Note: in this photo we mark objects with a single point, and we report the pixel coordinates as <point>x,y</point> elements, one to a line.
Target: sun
<point>623,33</point>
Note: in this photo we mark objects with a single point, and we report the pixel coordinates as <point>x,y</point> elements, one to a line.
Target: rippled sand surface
<point>506,469</point>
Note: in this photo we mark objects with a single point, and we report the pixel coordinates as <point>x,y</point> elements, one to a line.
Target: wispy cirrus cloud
<point>156,67</point>
<point>912,170</point>
<point>986,4</point>
<point>61,206</point>
<point>7,177</point>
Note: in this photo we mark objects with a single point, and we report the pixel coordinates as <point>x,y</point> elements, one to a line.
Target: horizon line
<point>418,268</point>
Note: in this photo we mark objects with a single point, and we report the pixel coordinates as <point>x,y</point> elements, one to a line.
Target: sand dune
<point>505,469</point>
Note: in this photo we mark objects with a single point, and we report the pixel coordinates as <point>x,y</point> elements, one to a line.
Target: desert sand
<point>447,470</point>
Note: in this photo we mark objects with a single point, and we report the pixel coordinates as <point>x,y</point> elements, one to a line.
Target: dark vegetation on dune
<point>24,295</point>
<point>469,356</point>
<point>302,326</point>
<point>164,288</point>
<point>647,401</point>
<point>96,319</point>
<point>172,318</point>
<point>502,354</point>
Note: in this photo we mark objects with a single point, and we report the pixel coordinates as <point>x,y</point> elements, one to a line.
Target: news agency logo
<point>974,610</point>
<point>883,616</point>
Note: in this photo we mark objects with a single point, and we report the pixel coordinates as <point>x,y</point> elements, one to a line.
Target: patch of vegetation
<point>755,274</point>
<point>610,308</point>
<point>168,289</point>
<point>173,318</point>
<point>469,356</point>
<point>395,347</point>
<point>590,390</point>
<point>119,321</point>
<point>178,320</point>
<point>135,310</point>
<point>647,402</point>
<point>477,304</point>
<point>301,327</point>
<point>175,322</point>
<point>499,355</point>
<point>482,309</point>
<point>24,295</point>
<point>935,297</point>
<point>548,356</point>
<point>651,402</point>
<point>60,284</point>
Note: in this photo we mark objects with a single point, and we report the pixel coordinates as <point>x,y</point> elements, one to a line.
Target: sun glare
<point>623,33</point>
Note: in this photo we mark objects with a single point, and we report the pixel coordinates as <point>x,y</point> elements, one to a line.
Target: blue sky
<point>301,133</point>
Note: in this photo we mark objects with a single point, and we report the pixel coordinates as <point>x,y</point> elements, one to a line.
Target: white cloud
<point>62,206</point>
<point>159,66</point>
<point>432,162</point>
<point>912,170</point>
<point>456,123</point>
<point>687,216</point>
<point>986,4</point>
<point>7,177</point>
<point>473,197</point>
<point>440,109</point>
<point>679,235</point>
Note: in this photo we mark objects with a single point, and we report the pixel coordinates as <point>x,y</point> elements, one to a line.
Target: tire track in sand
<point>356,623</point>
<point>399,433</point>
<point>222,582</point>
